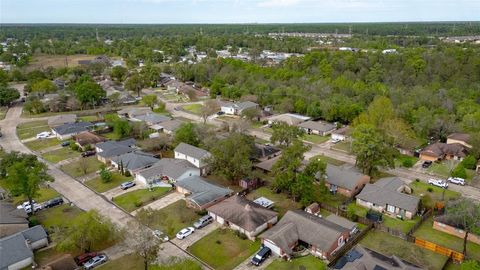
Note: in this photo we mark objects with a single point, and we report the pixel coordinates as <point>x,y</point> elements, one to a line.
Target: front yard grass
<point>44,194</point>
<point>404,159</point>
<point>343,146</point>
<point>329,160</point>
<point>390,245</point>
<point>281,200</point>
<point>193,108</point>
<point>76,169</point>
<point>99,186</point>
<point>40,144</point>
<point>133,261</point>
<point>304,263</point>
<point>59,216</point>
<point>222,249</point>
<point>421,189</point>
<point>170,219</point>
<point>133,200</point>
<point>439,169</point>
<point>427,232</point>
<point>89,118</point>
<point>44,256</point>
<point>31,129</point>
<point>316,139</point>
<point>112,136</point>
<point>60,154</point>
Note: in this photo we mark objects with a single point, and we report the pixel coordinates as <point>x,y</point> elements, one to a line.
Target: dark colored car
<point>53,202</point>
<point>261,256</point>
<point>81,259</point>
<point>88,153</point>
<point>65,144</point>
<point>220,113</point>
<point>426,164</point>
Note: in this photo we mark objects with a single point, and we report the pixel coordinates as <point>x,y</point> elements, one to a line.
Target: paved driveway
<point>246,265</point>
<point>197,235</point>
<point>162,202</point>
<point>117,191</point>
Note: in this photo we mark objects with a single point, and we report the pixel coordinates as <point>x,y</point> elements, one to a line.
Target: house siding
<point>383,209</point>
<point>361,182</point>
<point>455,231</point>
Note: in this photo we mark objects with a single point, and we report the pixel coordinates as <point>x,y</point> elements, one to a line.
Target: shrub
<point>241,235</point>
<point>128,174</point>
<point>469,162</point>
<point>430,189</point>
<point>459,171</point>
<point>105,175</point>
<point>137,203</point>
<point>218,242</point>
<point>417,180</point>
<point>74,147</point>
<point>408,163</point>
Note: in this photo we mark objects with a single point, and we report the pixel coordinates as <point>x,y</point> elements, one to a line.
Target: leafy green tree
<point>251,113</point>
<point>187,133</point>
<point>88,91</point>
<point>464,214</point>
<point>122,128</point>
<point>44,86</point>
<point>105,175</point>
<point>285,134</point>
<point>150,100</point>
<point>470,265</point>
<point>459,171</point>
<point>135,83</point>
<point>118,73</point>
<point>469,162</point>
<point>144,243</point>
<point>7,95</point>
<point>34,105</point>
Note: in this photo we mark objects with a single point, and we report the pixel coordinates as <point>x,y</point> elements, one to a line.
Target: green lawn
<point>60,216</point>
<point>99,186</point>
<point>304,263</point>
<point>222,249</point>
<point>111,136</point>
<point>402,225</point>
<point>282,202</point>
<point>170,219</point>
<point>133,261</point>
<point>329,160</point>
<point>31,129</point>
<point>390,245</point>
<point>343,146</point>
<point>316,139</point>
<point>404,158</point>
<point>60,154</point>
<point>44,194</point>
<point>421,189</point>
<point>133,200</point>
<point>426,232</point>
<point>3,112</point>
<point>40,144</point>
<point>76,169</point>
<point>439,169</point>
<point>193,108</point>
<point>89,118</point>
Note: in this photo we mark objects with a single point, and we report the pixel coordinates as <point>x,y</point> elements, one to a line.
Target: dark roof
<point>261,151</point>
<point>192,151</point>
<point>439,149</point>
<point>459,137</point>
<point>173,168</point>
<point>388,191</point>
<point>342,131</point>
<point>318,125</point>
<point>202,192</point>
<point>242,212</point>
<point>171,125</point>
<point>14,248</point>
<point>153,118</point>
<point>267,165</point>
<point>241,105</point>
<point>343,177</point>
<point>135,160</point>
<point>115,148</point>
<point>11,215</point>
<point>70,128</point>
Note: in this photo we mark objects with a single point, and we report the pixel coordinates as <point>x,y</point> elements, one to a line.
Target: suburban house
<point>341,134</point>
<point>66,131</point>
<point>262,152</point>
<point>267,164</point>
<point>360,257</point>
<point>134,161</point>
<point>321,128</point>
<point>346,181</point>
<point>86,138</point>
<point>164,78</point>
<point>461,138</point>
<point>134,112</point>
<point>196,156</point>
<point>17,249</point>
<point>441,151</point>
<point>291,119</point>
<point>168,127</point>
<point>166,170</point>
<point>110,149</point>
<point>443,224</point>
<point>151,118</point>
<point>322,237</point>
<point>12,220</point>
<point>199,193</point>
<point>238,107</point>
<point>243,215</point>
<point>61,120</point>
<point>389,195</point>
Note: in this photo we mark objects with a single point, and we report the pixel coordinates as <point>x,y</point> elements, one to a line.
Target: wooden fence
<point>455,255</point>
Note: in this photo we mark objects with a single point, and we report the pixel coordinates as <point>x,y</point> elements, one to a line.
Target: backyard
<point>222,249</point>
<point>343,146</point>
<point>31,129</point>
<point>402,225</point>
<point>282,202</point>
<point>99,186</point>
<point>133,261</point>
<point>133,200</point>
<point>83,167</point>
<point>60,154</point>
<point>193,108</point>
<point>304,263</point>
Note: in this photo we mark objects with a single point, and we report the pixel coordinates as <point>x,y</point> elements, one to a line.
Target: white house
<point>340,134</point>
<point>196,156</point>
<point>238,108</point>
<point>166,170</point>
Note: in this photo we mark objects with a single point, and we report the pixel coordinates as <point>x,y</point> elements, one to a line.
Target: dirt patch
<point>57,61</point>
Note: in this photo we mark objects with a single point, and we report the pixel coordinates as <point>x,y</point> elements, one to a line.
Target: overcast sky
<point>235,11</point>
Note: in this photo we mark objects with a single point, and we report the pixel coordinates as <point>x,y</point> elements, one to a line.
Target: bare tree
<point>83,165</point>
<point>209,107</point>
<point>463,214</point>
<point>144,243</point>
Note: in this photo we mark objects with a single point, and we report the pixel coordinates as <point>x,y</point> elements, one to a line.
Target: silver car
<point>95,261</point>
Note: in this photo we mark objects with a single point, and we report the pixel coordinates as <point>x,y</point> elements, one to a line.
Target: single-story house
<point>389,195</point>
<point>267,164</point>
<point>341,134</point>
<point>133,112</point>
<point>12,220</point>
<point>134,161</point>
<point>196,156</point>
<point>151,118</point>
<point>443,224</point>
<point>86,138</point>
<point>360,257</point>
<point>66,131</point>
<point>441,151</point>
<point>62,119</point>
<point>17,249</point>
<point>321,128</point>
<point>346,181</point>
<point>291,119</point>
<point>110,149</point>
<point>322,237</point>
<point>262,152</point>
<point>168,127</point>
<point>199,193</point>
<point>243,215</point>
<point>345,223</point>
<point>238,108</point>
<point>461,138</point>
<point>166,169</point>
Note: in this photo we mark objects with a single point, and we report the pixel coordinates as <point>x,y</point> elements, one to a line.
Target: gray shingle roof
<point>115,148</point>
<point>9,214</point>
<point>192,151</point>
<point>240,106</point>
<point>72,128</point>
<point>173,168</point>
<point>342,177</point>
<point>202,192</point>
<point>171,125</point>
<point>363,258</point>
<point>318,125</point>
<point>135,160</point>
<point>153,118</point>
<point>386,191</point>
<point>14,249</point>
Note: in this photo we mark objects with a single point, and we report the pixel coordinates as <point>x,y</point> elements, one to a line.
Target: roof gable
<point>202,192</point>
<point>192,151</point>
<point>343,177</point>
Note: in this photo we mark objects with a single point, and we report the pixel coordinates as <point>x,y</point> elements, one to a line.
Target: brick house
<point>346,181</point>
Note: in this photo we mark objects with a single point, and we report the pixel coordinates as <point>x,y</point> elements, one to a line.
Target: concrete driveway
<point>162,202</point>
<point>197,235</point>
<point>114,192</point>
<point>247,265</point>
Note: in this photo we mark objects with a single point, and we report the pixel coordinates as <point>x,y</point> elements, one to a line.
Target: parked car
<point>203,221</point>
<point>261,256</point>
<point>127,185</point>
<point>25,204</point>
<point>456,180</point>
<point>438,183</point>
<point>95,261</point>
<point>335,140</point>
<point>88,153</point>
<point>43,135</point>
<point>81,259</point>
<point>185,232</point>
<point>160,235</point>
<point>220,113</point>
<point>65,144</point>
<point>53,202</point>
<point>427,164</point>
<point>36,207</point>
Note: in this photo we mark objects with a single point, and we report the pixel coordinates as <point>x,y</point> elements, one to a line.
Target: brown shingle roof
<point>459,137</point>
<point>86,138</point>
<point>440,149</point>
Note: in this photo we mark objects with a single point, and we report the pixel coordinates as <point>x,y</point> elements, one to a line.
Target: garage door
<point>272,246</point>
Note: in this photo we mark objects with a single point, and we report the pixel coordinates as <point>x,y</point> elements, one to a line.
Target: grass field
<point>421,189</point>
<point>60,216</point>
<point>133,261</point>
<point>89,118</point>
<point>343,146</point>
<point>60,154</point>
<point>75,169</point>
<point>57,61</point>
<point>97,184</point>
<point>193,108</point>
<point>316,139</point>
<point>282,202</point>
<point>31,129</point>
<point>40,144</point>
<point>133,200</point>
<point>303,263</point>
<point>223,250</point>
<point>329,160</point>
<point>400,160</point>
<point>3,112</point>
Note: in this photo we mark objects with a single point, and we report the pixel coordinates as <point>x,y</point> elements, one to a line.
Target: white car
<point>160,235</point>
<point>456,180</point>
<point>95,261</point>
<point>43,135</point>
<point>185,232</point>
<point>25,204</point>
<point>335,140</point>
<point>36,207</point>
<point>438,183</point>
